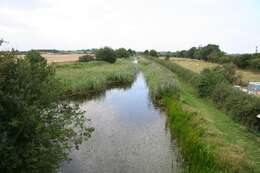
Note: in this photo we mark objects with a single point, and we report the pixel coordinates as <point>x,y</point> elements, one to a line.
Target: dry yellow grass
<point>198,65</point>
<point>57,58</point>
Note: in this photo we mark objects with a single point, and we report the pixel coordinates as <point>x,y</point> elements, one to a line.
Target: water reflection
<point>129,135</point>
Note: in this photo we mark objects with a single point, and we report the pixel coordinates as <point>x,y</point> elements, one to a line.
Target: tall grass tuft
<point>83,78</point>
<point>160,80</point>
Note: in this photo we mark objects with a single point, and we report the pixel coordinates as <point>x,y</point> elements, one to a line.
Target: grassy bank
<point>90,77</point>
<point>153,73</point>
<point>209,140</point>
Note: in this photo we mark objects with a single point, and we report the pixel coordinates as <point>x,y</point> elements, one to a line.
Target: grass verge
<point>209,140</point>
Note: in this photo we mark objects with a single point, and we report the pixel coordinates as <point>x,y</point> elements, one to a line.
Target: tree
<point>34,56</point>
<point>209,78</point>
<point>146,52</point>
<point>36,129</point>
<point>106,54</point>
<point>122,53</point>
<point>86,58</point>
<point>131,52</point>
<point>191,52</point>
<point>153,53</point>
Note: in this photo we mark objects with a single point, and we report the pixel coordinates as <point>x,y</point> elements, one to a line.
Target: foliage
<point>131,52</point>
<point>146,52</point>
<point>212,53</point>
<point>239,105</point>
<point>160,80</point>
<point>122,53</point>
<point>36,129</point>
<point>34,56</point>
<point>205,53</point>
<point>86,58</point>
<point>198,156</point>
<point>201,146</point>
<point>153,53</point>
<point>106,54</point>
<point>209,78</point>
<point>86,78</point>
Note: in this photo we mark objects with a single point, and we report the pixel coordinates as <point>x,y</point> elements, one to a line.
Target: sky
<point>164,25</point>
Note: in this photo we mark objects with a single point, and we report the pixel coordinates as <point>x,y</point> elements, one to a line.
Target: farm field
<point>58,58</point>
<point>198,65</point>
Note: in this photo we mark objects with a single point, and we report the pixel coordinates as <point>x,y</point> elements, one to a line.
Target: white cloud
<point>139,24</point>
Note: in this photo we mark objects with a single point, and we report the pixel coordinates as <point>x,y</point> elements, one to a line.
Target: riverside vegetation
<point>88,78</point>
<point>210,141</point>
<point>37,128</point>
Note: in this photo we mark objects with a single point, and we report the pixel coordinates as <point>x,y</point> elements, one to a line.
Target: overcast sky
<point>138,24</point>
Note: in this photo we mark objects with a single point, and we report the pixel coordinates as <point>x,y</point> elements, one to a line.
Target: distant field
<point>56,58</point>
<point>198,65</point>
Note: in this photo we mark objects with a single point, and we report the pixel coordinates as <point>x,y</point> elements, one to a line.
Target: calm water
<point>129,137</point>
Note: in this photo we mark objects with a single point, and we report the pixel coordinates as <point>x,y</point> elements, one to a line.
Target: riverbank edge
<point>200,155</point>
<point>124,80</point>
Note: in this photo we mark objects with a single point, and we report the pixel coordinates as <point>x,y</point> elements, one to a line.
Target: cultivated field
<point>198,65</point>
<point>57,58</point>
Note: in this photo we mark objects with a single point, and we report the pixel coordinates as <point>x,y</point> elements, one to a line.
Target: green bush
<point>34,56</point>
<point>209,78</point>
<point>86,58</point>
<point>36,129</point>
<point>153,53</point>
<point>239,105</point>
<point>106,54</point>
<point>216,84</point>
<point>122,53</point>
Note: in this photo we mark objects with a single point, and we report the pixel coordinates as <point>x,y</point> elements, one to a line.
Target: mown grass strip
<point>203,143</point>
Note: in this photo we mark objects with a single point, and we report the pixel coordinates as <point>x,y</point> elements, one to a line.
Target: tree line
<point>108,54</point>
<point>213,53</point>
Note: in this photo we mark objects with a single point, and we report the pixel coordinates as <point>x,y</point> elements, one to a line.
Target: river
<point>130,135</point>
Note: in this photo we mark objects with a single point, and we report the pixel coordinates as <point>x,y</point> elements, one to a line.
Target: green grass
<point>210,141</point>
<point>245,145</point>
<point>81,78</point>
<point>153,73</point>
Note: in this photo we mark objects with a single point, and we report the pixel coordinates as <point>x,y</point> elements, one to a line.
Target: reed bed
<point>160,80</point>
<point>90,77</point>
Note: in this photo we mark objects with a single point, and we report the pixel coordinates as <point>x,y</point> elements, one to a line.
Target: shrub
<point>146,52</point>
<point>86,58</point>
<point>122,53</point>
<point>153,53</point>
<point>209,78</point>
<point>106,54</point>
<point>36,129</point>
<point>216,84</point>
<point>131,52</point>
<point>34,56</point>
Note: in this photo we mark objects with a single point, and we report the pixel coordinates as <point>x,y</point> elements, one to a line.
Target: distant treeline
<point>212,53</point>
